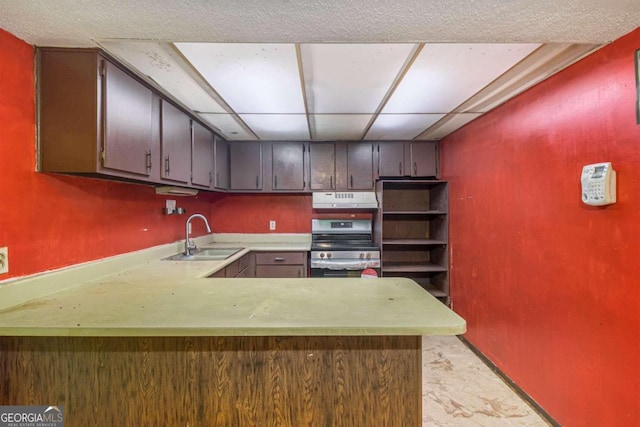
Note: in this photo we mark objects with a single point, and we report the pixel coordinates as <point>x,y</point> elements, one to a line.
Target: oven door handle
<point>344,265</point>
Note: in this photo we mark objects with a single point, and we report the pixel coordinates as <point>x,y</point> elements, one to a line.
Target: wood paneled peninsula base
<point>156,346</point>
<point>217,381</point>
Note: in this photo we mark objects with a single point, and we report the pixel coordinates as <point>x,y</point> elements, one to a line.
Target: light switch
<point>272,225</point>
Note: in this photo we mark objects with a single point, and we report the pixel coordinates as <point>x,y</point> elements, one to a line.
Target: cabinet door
<point>221,158</point>
<point>322,160</point>
<point>245,165</point>
<point>288,166</point>
<point>424,159</point>
<point>360,166</point>
<point>202,159</point>
<point>127,121</point>
<point>175,144</point>
<point>391,159</point>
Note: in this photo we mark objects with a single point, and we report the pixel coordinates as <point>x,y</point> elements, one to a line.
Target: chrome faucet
<point>187,246</point>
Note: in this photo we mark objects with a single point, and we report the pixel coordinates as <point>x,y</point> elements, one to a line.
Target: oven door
<point>342,267</point>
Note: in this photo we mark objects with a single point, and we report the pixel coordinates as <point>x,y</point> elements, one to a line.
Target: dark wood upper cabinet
<point>202,156</point>
<point>175,143</point>
<point>322,161</point>
<point>94,117</point>
<point>221,161</point>
<point>391,162</point>
<point>245,166</point>
<point>288,169</point>
<point>360,166</point>
<point>127,120</point>
<point>424,159</point>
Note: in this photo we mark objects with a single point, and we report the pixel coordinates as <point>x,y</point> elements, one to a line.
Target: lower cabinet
<point>284,264</point>
<point>281,264</point>
<point>240,268</point>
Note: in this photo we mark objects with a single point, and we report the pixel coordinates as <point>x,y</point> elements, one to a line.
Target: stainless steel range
<point>343,248</point>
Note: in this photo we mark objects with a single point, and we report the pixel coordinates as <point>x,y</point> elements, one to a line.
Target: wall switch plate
<point>4,260</point>
<point>272,225</point>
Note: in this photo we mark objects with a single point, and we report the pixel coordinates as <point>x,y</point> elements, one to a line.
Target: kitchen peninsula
<point>164,344</point>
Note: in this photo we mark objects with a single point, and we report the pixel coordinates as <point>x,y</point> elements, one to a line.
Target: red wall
<point>51,221</point>
<point>251,213</point>
<point>550,288</point>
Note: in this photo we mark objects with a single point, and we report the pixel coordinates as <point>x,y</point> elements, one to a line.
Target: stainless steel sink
<point>205,254</point>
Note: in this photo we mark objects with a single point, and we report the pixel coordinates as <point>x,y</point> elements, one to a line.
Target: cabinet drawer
<point>277,258</point>
<point>267,271</point>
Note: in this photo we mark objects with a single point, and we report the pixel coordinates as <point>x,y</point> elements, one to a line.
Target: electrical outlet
<point>272,225</point>
<point>4,260</point>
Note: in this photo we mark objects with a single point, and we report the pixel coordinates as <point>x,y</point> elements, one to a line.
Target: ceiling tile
<point>251,77</point>
<point>400,126</point>
<point>338,126</point>
<point>350,78</point>
<point>157,61</point>
<point>444,75</point>
<point>278,126</point>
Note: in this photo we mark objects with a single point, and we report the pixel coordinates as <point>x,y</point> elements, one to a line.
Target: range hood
<point>364,200</point>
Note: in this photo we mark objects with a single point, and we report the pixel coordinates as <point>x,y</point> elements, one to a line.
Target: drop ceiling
<point>332,70</point>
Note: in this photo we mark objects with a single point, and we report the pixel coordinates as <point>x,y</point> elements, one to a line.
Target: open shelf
<point>412,228</point>
<point>407,267</point>
<point>415,212</point>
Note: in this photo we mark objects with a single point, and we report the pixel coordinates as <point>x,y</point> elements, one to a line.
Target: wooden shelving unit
<point>412,228</point>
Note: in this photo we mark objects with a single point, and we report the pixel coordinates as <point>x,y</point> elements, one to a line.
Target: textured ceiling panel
<point>68,22</point>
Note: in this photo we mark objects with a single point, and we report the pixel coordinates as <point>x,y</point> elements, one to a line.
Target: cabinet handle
<point>148,161</point>
<point>415,169</point>
<point>257,182</point>
<point>217,178</point>
<point>275,181</point>
<point>166,165</point>
<point>331,181</point>
<point>210,177</point>
<point>351,179</point>
<point>400,168</point>
<point>278,259</point>
<point>299,272</point>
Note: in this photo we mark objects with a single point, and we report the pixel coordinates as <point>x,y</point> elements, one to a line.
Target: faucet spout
<point>187,246</point>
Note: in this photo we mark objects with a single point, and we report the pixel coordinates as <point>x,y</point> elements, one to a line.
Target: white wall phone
<point>598,184</point>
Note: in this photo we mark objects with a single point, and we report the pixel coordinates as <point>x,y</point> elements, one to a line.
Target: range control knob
<point>361,255</point>
<point>368,255</point>
<point>321,254</point>
<point>329,255</point>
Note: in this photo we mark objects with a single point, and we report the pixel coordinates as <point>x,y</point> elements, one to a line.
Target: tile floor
<point>460,390</point>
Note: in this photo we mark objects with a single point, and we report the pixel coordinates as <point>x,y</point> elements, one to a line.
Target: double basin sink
<point>205,254</point>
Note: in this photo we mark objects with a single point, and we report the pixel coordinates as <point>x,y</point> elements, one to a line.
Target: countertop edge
<point>137,332</point>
